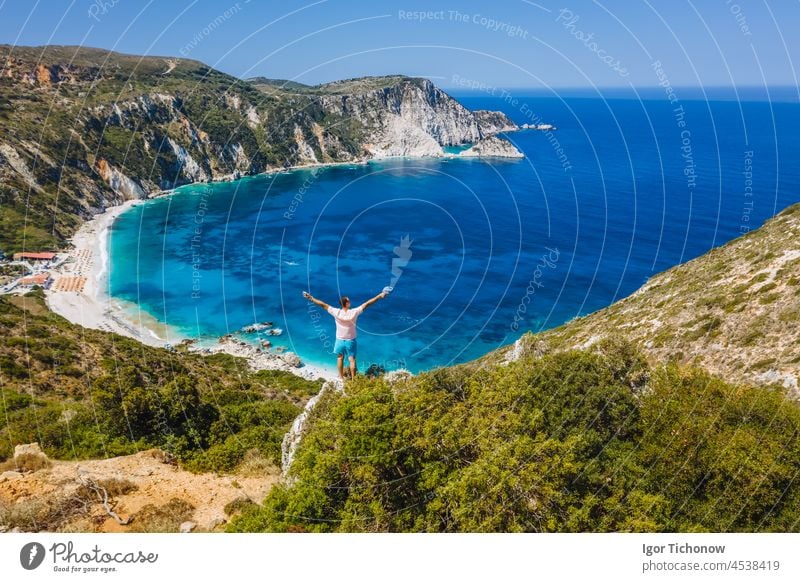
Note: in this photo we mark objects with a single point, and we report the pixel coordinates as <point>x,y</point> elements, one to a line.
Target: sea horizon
<point>744,93</point>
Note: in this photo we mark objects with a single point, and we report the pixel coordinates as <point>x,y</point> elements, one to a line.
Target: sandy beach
<point>80,295</point>
<point>79,292</point>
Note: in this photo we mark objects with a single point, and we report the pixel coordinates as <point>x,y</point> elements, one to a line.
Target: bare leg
<point>340,365</point>
<point>352,367</point>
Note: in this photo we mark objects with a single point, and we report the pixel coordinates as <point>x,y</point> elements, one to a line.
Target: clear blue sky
<point>503,43</point>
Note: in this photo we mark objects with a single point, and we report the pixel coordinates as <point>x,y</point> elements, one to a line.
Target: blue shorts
<point>345,347</point>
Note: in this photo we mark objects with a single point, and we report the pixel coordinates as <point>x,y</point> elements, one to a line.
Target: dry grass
<point>30,305</point>
<point>255,464</point>
<point>46,513</point>
<point>729,311</point>
<point>116,487</point>
<point>25,463</point>
<point>165,518</point>
<point>78,509</point>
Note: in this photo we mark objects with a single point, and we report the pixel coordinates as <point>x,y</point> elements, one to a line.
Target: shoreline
<point>91,306</point>
<point>316,166</point>
<point>228,178</point>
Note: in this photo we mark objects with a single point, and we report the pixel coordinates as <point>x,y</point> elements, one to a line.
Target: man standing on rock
<point>345,318</point>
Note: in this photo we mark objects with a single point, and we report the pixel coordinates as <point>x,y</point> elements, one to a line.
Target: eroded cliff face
<point>155,128</point>
<point>414,118</point>
<point>83,129</point>
<point>121,184</point>
<point>410,118</point>
<point>43,74</point>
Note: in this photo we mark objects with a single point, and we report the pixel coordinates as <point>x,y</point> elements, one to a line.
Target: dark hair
<point>344,299</point>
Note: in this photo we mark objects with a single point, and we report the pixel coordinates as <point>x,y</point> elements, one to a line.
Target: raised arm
<point>375,299</point>
<point>315,301</point>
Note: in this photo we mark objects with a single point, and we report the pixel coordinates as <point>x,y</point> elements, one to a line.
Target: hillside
<point>271,85</point>
<point>574,441</point>
<point>82,129</point>
<point>87,393</point>
<point>734,311</point>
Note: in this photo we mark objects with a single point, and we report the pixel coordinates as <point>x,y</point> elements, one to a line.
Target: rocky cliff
<point>410,117</point>
<point>84,129</point>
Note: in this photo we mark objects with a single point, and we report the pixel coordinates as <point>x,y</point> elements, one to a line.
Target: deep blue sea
<point>479,251</point>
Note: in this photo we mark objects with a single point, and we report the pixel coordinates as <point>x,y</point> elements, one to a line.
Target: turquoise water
<point>496,247</point>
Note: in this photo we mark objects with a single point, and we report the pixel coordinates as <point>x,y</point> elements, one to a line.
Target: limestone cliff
<point>492,122</point>
<point>410,117</point>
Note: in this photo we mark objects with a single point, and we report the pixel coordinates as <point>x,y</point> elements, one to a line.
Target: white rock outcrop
<point>29,450</point>
<point>120,183</point>
<point>492,147</point>
<point>492,122</point>
<point>402,138</point>
<point>305,152</point>
<point>412,117</point>
<point>9,155</point>
<point>188,165</point>
<point>292,359</point>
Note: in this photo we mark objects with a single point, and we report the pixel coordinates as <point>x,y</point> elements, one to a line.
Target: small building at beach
<point>39,279</point>
<point>42,257</point>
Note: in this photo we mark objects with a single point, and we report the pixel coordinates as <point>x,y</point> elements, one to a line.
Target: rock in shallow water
<point>493,147</point>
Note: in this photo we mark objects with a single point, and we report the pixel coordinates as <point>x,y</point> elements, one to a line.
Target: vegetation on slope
<point>64,109</point>
<point>364,84</point>
<point>84,393</point>
<point>342,87</point>
<point>570,441</point>
<point>49,96</point>
<point>734,311</point>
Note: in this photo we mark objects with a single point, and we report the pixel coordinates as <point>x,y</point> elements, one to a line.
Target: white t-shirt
<point>345,321</point>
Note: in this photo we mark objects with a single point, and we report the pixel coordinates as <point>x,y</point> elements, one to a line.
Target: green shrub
<point>294,385</point>
<point>724,455</point>
<point>570,441</point>
<point>239,505</point>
